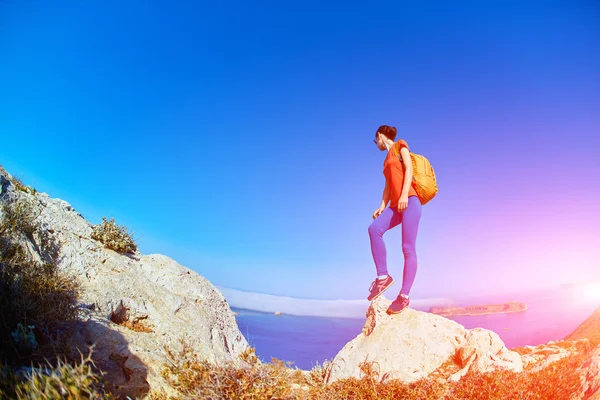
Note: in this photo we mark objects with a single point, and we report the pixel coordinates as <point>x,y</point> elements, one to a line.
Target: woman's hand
<point>403,202</point>
<point>377,212</point>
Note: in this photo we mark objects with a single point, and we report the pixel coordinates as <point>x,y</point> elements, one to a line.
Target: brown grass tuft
<point>19,185</point>
<point>138,324</point>
<point>251,379</point>
<point>114,237</point>
<point>62,381</point>
<point>19,218</point>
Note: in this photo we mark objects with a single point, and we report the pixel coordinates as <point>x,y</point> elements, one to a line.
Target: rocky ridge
<point>133,305</point>
<point>414,344</point>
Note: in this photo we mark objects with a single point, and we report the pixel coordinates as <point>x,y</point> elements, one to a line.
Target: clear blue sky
<point>236,137</point>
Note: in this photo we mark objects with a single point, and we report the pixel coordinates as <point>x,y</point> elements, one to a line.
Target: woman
<point>405,209</point>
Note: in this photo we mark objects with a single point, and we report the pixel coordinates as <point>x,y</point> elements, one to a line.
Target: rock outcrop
<point>589,374</point>
<point>536,358</point>
<point>132,305</point>
<point>589,371</point>
<point>413,344</point>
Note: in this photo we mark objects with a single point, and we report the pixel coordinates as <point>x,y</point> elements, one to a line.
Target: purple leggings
<point>387,220</point>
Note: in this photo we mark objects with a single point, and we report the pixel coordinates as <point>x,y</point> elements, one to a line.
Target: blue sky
<point>237,138</point>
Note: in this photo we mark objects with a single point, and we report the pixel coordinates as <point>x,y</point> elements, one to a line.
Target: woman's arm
<point>408,174</point>
<point>408,171</point>
<point>386,195</point>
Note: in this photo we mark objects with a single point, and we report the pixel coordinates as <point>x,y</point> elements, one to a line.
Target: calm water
<point>306,341</point>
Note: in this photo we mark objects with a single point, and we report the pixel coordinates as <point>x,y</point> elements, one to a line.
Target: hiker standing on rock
<point>405,209</point>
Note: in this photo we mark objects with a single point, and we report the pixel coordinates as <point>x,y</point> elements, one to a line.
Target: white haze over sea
<point>312,307</point>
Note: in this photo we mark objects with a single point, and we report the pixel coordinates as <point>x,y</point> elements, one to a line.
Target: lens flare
<point>592,291</point>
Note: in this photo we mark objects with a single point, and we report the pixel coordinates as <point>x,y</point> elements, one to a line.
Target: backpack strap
<point>414,179</point>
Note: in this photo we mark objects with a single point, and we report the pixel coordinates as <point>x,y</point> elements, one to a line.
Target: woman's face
<point>378,141</point>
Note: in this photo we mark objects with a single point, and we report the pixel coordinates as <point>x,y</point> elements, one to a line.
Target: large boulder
<point>413,344</point>
<point>133,306</point>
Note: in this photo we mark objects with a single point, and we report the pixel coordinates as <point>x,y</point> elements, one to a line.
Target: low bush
<point>114,237</point>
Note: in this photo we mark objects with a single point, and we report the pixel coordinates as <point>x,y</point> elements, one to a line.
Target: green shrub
<point>114,236</point>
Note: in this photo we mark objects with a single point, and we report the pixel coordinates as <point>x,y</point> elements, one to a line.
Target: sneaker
<point>399,304</point>
<point>379,286</point>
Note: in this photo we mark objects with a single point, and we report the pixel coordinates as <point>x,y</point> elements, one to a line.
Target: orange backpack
<point>423,177</point>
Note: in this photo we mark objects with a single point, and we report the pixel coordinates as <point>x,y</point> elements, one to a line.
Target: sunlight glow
<point>592,291</point>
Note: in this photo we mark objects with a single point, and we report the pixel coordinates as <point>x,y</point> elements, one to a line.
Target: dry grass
<point>138,324</point>
<point>195,379</point>
<point>372,385</point>
<point>19,218</point>
<point>114,237</point>
<point>558,380</point>
<point>62,381</point>
<point>18,183</point>
<point>37,301</point>
<point>199,379</point>
<point>38,295</point>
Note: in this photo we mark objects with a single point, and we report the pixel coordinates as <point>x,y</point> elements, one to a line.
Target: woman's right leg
<point>410,227</point>
<point>388,219</point>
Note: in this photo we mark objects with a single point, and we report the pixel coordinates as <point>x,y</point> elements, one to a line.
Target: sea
<point>308,341</point>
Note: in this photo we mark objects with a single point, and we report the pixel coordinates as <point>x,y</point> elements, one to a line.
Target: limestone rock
<point>484,351</point>
<point>132,305</point>
<point>589,373</point>
<point>539,357</point>
<point>413,344</point>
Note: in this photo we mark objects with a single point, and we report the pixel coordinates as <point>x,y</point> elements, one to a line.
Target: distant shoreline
<point>504,308</point>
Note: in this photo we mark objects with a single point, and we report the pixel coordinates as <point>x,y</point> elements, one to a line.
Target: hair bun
<point>388,131</point>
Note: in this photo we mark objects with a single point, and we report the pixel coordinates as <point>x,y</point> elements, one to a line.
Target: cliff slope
<point>132,305</point>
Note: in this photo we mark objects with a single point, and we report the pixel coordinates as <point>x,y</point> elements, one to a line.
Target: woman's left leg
<point>410,227</point>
